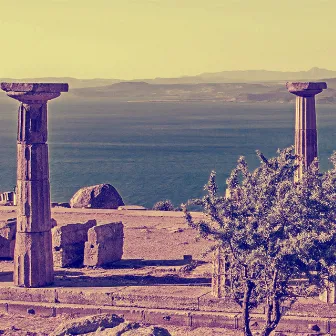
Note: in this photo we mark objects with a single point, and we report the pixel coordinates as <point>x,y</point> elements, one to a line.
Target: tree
<point>272,231</point>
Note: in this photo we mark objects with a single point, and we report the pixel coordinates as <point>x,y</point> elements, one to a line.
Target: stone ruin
<point>68,243</point>
<point>75,244</point>
<point>88,244</point>
<point>104,244</point>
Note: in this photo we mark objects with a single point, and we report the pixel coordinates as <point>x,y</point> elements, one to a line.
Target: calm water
<point>155,151</point>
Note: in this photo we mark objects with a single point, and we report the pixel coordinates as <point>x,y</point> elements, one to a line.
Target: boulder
<point>101,196</point>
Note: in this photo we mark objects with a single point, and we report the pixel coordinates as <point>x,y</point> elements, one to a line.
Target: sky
<point>137,39</point>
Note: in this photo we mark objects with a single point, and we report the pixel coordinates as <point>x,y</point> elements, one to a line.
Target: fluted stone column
<point>33,259</point>
<point>305,122</point>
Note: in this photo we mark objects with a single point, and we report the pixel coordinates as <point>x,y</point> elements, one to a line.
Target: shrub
<point>166,205</point>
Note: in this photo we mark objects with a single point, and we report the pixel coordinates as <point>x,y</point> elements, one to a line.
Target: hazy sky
<point>163,38</point>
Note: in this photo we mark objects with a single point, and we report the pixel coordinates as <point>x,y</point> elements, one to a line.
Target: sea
<point>152,151</point>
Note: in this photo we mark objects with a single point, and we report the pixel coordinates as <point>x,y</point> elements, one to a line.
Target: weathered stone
<point>104,245</point>
<point>8,229</point>
<point>68,255</point>
<point>219,273</point>
<point>86,325</point>
<point>72,233</point>
<point>7,238</point>
<point>68,243</point>
<point>32,264</point>
<point>305,122</point>
<point>32,162</point>
<point>33,210</point>
<point>101,196</point>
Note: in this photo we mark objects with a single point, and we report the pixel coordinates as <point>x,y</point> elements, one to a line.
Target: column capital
<point>37,93</point>
<point>306,89</point>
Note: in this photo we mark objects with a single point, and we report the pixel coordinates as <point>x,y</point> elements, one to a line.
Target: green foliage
<point>166,205</point>
<point>272,231</point>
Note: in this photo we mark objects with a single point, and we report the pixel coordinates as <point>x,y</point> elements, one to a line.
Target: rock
<point>68,243</point>
<point>131,207</point>
<point>101,196</point>
<point>89,324</point>
<point>104,244</point>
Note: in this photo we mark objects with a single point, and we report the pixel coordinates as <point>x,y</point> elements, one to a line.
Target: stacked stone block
<point>33,259</point>
<point>104,245</point>
<point>69,241</point>
<point>7,238</point>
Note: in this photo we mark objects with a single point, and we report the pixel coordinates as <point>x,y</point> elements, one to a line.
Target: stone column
<point>305,122</point>
<point>33,259</point>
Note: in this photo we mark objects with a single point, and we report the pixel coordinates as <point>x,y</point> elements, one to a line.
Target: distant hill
<point>226,86</point>
<point>224,92</point>
<point>265,75</point>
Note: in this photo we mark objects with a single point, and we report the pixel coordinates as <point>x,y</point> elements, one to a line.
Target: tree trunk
<point>246,314</point>
<point>273,312</point>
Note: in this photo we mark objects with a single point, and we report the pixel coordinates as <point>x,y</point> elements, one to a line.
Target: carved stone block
<point>104,245</point>
<point>32,162</point>
<point>33,211</point>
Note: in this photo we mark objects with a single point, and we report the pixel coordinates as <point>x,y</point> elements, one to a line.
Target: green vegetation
<point>166,205</point>
<point>272,231</point>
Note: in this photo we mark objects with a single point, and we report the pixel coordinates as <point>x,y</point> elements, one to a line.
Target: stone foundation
<point>104,245</point>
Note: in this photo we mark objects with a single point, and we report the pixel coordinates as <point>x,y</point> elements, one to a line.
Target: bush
<point>166,205</point>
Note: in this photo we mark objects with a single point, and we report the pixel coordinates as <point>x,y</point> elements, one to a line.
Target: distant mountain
<point>240,76</point>
<point>221,92</point>
<point>226,86</point>
<point>265,75</point>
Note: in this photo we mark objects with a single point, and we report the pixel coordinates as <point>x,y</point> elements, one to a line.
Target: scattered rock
<point>89,324</point>
<point>101,196</point>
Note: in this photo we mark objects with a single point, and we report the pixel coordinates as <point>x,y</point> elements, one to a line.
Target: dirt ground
<point>155,244</point>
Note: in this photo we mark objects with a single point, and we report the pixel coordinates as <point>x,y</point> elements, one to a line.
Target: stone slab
<point>23,308</point>
<point>162,317</point>
<point>300,86</point>
<point>103,253</point>
<point>214,320</point>
<point>45,295</point>
<point>35,87</point>
<point>167,297</point>
<point>71,233</point>
<point>98,296</point>
<point>298,324</point>
<point>208,302</point>
<point>77,310</point>
<point>105,232</point>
